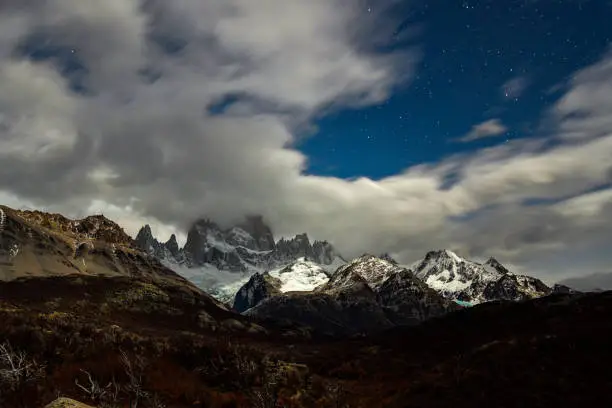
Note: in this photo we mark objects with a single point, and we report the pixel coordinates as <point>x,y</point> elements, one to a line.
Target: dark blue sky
<point>470,49</point>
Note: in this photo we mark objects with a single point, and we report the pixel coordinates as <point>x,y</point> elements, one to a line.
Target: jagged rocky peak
<point>494,263</point>
<point>198,238</point>
<point>297,247</point>
<point>172,245</point>
<point>252,234</point>
<point>145,238</point>
<point>149,244</point>
<point>443,254</point>
<point>260,233</point>
<point>94,227</point>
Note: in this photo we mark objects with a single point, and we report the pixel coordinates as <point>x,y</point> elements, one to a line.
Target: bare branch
<point>17,369</point>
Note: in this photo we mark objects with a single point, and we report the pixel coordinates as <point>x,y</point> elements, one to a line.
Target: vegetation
<point>75,337</point>
<point>129,357</point>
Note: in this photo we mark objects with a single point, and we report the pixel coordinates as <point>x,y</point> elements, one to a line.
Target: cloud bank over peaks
<point>106,106</point>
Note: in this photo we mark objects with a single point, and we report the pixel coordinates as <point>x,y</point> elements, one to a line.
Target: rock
<point>67,403</point>
<point>258,288</point>
<point>172,246</point>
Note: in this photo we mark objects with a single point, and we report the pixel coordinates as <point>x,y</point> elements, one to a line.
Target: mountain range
<point>81,301</point>
<point>221,261</point>
<point>245,268</point>
<point>311,284</point>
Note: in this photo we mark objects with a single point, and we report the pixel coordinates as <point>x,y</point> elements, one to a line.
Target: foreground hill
<point>546,352</point>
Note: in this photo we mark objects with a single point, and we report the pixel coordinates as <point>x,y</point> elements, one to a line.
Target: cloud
<point>129,133</point>
<point>489,128</point>
<point>583,112</point>
<point>515,87</point>
<point>591,282</point>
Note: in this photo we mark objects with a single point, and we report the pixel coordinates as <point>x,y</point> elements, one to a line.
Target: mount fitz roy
<point>221,260</point>
<point>244,265</point>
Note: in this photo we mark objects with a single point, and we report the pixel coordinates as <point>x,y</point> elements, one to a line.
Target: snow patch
<point>220,284</point>
<point>443,282</point>
<point>301,276</point>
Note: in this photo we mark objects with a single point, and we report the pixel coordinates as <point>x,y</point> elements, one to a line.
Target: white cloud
<point>515,87</point>
<point>146,150</point>
<point>489,128</point>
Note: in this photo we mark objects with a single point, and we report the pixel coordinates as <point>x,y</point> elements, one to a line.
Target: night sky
<point>397,126</point>
<point>481,60</point>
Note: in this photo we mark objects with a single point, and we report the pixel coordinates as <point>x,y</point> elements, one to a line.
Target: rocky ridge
<point>34,243</point>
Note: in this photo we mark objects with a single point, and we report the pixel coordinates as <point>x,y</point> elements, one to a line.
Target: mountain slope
<point>37,244</point>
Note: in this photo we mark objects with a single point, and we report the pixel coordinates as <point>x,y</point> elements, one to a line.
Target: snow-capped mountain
<point>298,276</point>
<point>372,269</point>
<point>368,294</point>
<point>220,260</point>
<point>466,281</point>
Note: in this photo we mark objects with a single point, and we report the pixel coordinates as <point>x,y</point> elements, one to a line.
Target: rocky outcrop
<point>66,403</point>
<point>255,291</point>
